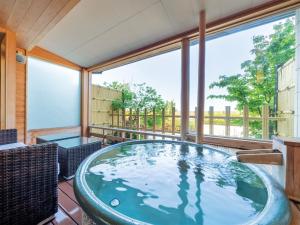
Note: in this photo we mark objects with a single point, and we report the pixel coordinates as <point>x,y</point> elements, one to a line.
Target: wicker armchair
<point>8,136</point>
<point>28,182</point>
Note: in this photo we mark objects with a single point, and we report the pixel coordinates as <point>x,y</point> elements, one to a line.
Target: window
<point>139,94</point>
<point>245,86</point>
<point>53,95</point>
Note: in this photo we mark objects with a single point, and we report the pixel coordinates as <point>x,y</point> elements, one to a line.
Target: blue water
<point>182,184</point>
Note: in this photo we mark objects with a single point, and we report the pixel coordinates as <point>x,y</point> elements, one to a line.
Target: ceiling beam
<point>43,54</point>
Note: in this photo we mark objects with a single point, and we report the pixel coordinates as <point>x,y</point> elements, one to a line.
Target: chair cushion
<point>12,145</point>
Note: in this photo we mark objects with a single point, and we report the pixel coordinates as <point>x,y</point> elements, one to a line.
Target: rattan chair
<point>28,182</point>
<point>8,136</point>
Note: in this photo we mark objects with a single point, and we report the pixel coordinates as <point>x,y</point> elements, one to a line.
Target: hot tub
<point>168,182</point>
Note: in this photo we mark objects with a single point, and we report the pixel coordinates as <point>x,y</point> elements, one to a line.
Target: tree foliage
<point>256,85</point>
<point>139,96</point>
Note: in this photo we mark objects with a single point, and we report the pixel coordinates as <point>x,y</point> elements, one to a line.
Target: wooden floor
<point>69,211</point>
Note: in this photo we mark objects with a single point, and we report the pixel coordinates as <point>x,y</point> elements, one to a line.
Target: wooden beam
<point>234,142</point>
<point>84,102</point>
<point>185,87</point>
<point>242,17</point>
<point>141,132</point>
<point>261,158</point>
<point>51,57</point>
<point>32,134</point>
<point>201,78</point>
<point>255,151</point>
<point>8,76</point>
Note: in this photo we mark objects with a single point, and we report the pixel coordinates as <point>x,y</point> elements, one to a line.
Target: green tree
<point>137,97</point>
<point>126,95</point>
<point>256,85</point>
<point>146,97</point>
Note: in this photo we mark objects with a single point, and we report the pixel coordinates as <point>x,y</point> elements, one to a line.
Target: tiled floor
<point>69,211</point>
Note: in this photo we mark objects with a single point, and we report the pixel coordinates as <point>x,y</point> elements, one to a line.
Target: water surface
<point>178,184</point>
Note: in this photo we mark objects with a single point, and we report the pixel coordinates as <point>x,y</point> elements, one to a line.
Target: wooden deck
<point>69,211</point>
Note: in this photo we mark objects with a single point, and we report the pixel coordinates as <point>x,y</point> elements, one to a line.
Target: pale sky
<point>223,57</point>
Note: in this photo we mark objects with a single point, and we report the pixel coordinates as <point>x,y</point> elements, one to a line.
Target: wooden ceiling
<point>32,19</point>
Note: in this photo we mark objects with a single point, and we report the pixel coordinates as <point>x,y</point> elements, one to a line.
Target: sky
<point>163,72</point>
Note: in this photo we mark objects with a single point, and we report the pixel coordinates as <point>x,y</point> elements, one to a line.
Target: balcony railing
<point>167,122</point>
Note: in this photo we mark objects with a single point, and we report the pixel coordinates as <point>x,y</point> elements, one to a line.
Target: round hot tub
<point>168,182</point>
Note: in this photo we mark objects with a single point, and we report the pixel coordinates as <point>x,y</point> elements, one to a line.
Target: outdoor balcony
<point>150,112</point>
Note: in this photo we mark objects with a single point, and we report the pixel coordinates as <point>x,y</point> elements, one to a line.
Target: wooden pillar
<point>85,83</point>
<point>185,87</point>
<point>8,80</point>
<point>201,79</point>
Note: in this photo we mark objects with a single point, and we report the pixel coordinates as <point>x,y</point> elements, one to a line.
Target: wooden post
<point>145,122</point>
<point>196,118</point>
<point>112,118</point>
<point>265,122</point>
<point>123,118</point>
<point>173,120</point>
<point>163,121</point>
<point>130,121</point>
<point>201,78</point>
<point>153,121</point>
<point>138,122</point>
<point>185,87</point>
<point>227,121</point>
<point>211,120</point>
<point>85,86</point>
<point>118,117</point>
<point>246,121</point>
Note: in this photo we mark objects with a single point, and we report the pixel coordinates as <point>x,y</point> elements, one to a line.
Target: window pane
<point>151,83</point>
<point>241,78</point>
<point>53,95</point>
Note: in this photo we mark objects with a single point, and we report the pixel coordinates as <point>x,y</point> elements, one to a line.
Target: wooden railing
<point>135,120</point>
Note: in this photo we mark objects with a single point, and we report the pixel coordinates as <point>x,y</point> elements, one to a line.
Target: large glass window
<point>140,95</point>
<point>248,79</point>
<point>53,95</point>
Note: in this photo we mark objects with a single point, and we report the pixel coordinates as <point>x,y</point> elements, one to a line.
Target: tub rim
<point>276,211</point>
